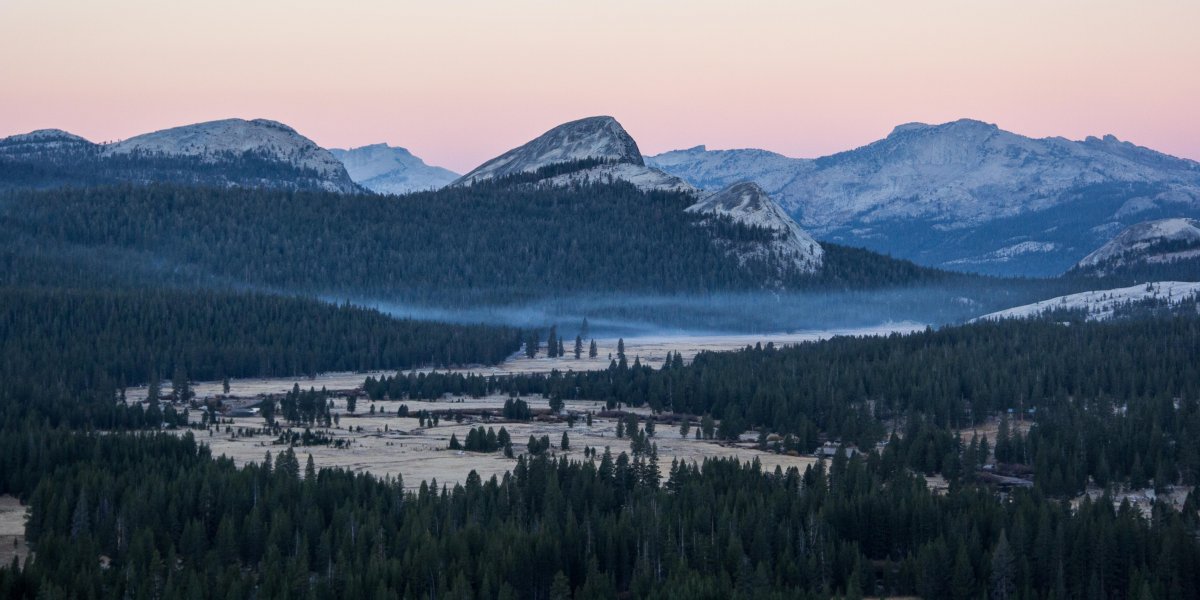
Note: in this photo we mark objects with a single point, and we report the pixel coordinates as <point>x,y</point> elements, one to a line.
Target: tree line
<point>169,520</point>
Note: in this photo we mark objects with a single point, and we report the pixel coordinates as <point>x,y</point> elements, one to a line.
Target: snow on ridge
<point>1009,253</point>
<point>44,135</point>
<point>589,138</point>
<point>1100,304</point>
<point>387,169</point>
<point>965,172</point>
<point>749,204</point>
<point>644,178</point>
<point>1136,238</point>
<point>211,139</point>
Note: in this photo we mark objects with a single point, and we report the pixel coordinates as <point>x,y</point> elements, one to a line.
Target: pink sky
<point>459,81</point>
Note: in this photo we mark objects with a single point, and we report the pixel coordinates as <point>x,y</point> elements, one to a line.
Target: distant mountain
<point>1160,241</point>
<point>597,139</point>
<point>964,195</point>
<point>748,204</point>
<point>1160,250</point>
<point>599,150</point>
<point>230,152</point>
<point>388,169</point>
<point>41,141</point>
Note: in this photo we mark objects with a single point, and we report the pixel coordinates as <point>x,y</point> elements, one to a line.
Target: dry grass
<point>389,445</point>
<point>12,530</point>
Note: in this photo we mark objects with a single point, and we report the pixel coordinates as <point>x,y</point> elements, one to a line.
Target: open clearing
<point>12,530</point>
<point>389,445</point>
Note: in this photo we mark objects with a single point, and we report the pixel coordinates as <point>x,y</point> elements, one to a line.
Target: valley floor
<point>389,445</point>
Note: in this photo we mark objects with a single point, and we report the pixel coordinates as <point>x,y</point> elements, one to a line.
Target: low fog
<point>715,314</point>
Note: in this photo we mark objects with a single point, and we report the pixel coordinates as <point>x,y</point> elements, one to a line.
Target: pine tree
<point>552,342</point>
<point>566,443</point>
<point>578,347</point>
<point>592,350</point>
<point>560,587</point>
<point>531,345</point>
<point>962,577</point>
<point>180,387</point>
<point>1002,569</point>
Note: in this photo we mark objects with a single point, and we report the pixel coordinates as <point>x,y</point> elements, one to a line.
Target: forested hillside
<point>91,343</point>
<point>487,242</point>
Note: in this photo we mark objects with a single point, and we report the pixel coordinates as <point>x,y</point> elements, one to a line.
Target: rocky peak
<point>747,203</point>
<point>590,138</point>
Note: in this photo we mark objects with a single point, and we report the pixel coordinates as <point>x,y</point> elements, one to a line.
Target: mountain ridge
<point>1150,242</point>
<point>600,137</point>
<point>386,169</point>
<point>747,203</point>
<point>964,194</point>
<point>227,152</point>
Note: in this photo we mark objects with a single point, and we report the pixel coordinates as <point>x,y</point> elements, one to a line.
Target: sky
<point>460,81</point>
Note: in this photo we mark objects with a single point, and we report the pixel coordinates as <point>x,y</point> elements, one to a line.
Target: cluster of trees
<point>479,440</point>
<point>516,409</point>
<point>301,407</point>
<point>174,522</point>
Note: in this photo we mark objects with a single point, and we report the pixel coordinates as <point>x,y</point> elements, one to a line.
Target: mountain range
<point>229,152</point>
<point>964,195</point>
<point>385,169</point>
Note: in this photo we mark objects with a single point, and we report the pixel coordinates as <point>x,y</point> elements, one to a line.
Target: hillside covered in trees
<point>487,242</point>
<point>81,347</point>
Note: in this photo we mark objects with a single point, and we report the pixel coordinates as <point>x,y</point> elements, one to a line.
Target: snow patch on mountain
<point>1135,243</point>
<point>388,169</point>
<point>1008,253</point>
<point>747,203</point>
<point>591,138</point>
<point>642,177</point>
<point>45,136</point>
<point>1100,304</point>
<point>216,141</point>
